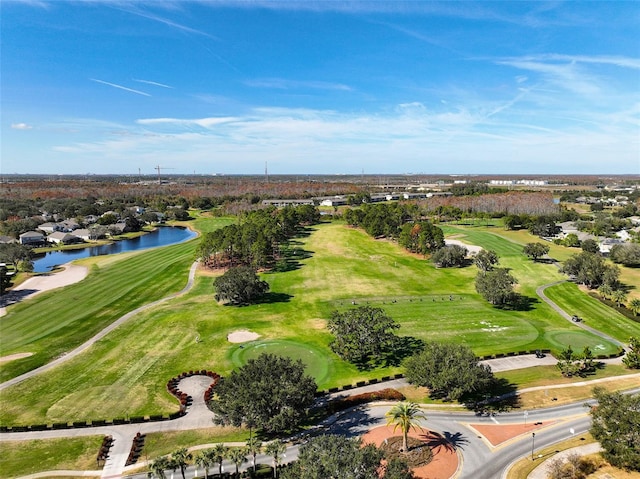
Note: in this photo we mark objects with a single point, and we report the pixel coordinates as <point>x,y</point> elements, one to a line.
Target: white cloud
<point>21,126</point>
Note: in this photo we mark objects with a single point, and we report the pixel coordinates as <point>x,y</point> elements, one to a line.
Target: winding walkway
<point>540,292</point>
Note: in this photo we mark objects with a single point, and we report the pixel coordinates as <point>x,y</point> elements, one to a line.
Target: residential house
<point>7,239</point>
<point>69,225</point>
<point>60,237</point>
<point>32,238</point>
<point>49,227</point>
<point>608,243</point>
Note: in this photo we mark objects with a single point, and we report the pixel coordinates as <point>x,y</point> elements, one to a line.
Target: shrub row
<point>103,453</point>
<point>387,394</point>
<point>513,353</point>
<point>359,384</point>
<point>136,449</point>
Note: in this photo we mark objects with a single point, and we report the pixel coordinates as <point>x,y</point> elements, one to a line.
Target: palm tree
<point>634,306</point>
<point>206,459</point>
<point>605,290</point>
<point>219,454</point>
<point>181,458</point>
<point>619,296</point>
<point>238,455</point>
<point>254,447</point>
<point>275,449</point>
<point>405,415</point>
<point>159,466</point>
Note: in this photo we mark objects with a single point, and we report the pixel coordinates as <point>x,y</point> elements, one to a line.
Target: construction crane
<point>158,168</point>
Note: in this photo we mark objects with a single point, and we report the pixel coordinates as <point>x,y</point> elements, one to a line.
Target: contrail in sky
<point>120,86</point>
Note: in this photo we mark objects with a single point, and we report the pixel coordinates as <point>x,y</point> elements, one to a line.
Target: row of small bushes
<point>136,449</point>
<point>341,404</point>
<point>359,384</point>
<point>103,453</point>
<point>512,354</point>
<point>93,423</point>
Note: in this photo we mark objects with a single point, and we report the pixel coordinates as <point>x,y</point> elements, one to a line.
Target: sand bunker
<point>473,249</point>
<point>13,357</point>
<point>242,336</point>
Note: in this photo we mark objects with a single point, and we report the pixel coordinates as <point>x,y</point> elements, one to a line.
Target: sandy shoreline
<point>45,282</point>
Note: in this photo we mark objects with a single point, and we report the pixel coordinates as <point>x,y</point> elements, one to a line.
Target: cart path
<point>87,344</point>
<point>540,292</point>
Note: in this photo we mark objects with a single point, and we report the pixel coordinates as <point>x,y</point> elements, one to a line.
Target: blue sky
<point>320,87</point>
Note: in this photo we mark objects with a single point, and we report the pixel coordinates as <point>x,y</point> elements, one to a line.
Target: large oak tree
<point>616,426</point>
<point>362,334</point>
<point>270,392</point>
<point>240,285</point>
<point>450,371</point>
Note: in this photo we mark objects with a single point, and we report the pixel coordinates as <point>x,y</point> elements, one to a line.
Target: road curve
<point>75,352</point>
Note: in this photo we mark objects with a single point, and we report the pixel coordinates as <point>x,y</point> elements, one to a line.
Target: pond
<point>162,236</point>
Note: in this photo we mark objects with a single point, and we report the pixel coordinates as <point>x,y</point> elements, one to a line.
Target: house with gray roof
<point>32,238</point>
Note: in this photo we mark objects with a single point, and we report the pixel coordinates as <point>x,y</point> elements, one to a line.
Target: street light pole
<point>533,442</point>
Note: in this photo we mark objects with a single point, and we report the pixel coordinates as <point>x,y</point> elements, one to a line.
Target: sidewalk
<point>540,472</point>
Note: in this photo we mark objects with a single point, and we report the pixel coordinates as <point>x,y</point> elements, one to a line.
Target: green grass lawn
<point>125,373</point>
<point>595,314</point>
<point>60,320</point>
<point>19,458</point>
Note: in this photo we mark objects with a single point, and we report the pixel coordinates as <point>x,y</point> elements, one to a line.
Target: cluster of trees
<point>450,371</point>
<point>627,254</point>
<point>363,336</point>
<point>421,237</point>
<point>275,405</point>
<point>382,219</point>
<point>616,426</point>
<point>603,224</point>
<point>240,286</point>
<point>592,270</point>
<point>498,204</point>
<point>495,285</point>
<point>18,255</point>
<point>208,458</point>
<point>338,457</point>
<point>571,363</point>
<point>256,239</point>
<point>450,256</point>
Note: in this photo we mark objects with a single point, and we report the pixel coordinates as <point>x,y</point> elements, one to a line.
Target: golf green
<point>317,363</point>
<point>578,340</point>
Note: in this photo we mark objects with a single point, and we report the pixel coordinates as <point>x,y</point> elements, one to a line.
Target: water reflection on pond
<point>162,236</point>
